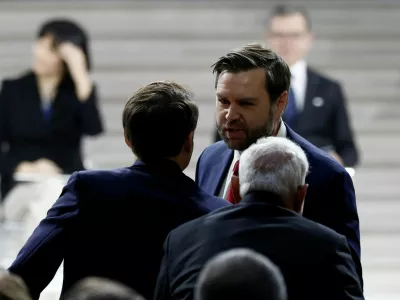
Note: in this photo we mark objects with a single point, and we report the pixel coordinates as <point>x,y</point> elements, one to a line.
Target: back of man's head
<point>158,119</point>
<point>12,287</point>
<point>275,165</point>
<point>94,288</point>
<point>240,274</point>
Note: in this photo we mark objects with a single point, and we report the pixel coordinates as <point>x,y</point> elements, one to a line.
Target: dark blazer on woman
<point>26,134</point>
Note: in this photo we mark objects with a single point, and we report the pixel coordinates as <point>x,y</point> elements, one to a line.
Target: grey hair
<point>273,164</point>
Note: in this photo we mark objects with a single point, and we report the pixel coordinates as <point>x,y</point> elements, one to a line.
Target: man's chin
<point>239,145</point>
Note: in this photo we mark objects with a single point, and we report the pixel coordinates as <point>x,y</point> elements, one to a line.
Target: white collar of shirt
<point>236,156</point>
<point>299,82</point>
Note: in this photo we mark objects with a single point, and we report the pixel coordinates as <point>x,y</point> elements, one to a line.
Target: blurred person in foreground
<point>12,287</point>
<point>317,108</point>
<point>252,85</point>
<point>315,261</point>
<point>240,274</point>
<point>45,112</point>
<point>113,223</point>
<point>94,288</point>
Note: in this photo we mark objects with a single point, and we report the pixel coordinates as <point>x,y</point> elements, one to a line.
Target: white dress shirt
<point>236,155</point>
<point>299,83</point>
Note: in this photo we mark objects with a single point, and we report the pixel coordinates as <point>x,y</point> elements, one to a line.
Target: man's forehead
<point>245,78</point>
<point>291,22</point>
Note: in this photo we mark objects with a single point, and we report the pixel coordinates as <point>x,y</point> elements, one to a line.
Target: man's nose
<point>232,113</point>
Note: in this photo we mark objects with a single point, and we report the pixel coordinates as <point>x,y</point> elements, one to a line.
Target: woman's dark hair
<point>64,30</point>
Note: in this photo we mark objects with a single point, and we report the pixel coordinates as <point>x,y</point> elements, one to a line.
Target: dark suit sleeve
<point>345,279</point>
<point>90,115</point>
<point>4,96</point>
<point>162,291</point>
<point>41,256</point>
<point>343,138</point>
<point>198,164</point>
<point>345,219</point>
<point>3,111</point>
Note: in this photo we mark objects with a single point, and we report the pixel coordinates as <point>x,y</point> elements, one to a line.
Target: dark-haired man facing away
<point>113,223</point>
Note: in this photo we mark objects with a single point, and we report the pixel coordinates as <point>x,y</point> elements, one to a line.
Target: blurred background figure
<point>12,287</point>
<point>45,112</point>
<point>240,274</point>
<point>316,106</point>
<point>96,288</point>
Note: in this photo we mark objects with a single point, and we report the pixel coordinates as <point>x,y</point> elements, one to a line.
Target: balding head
<point>12,287</point>
<point>275,165</point>
<point>96,288</point>
<point>240,274</point>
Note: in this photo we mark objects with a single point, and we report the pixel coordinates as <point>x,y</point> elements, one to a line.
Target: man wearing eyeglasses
<point>316,106</point>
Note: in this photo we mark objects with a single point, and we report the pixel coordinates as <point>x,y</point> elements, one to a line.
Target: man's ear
<point>301,196</point>
<point>281,103</point>
<point>127,141</point>
<point>188,145</point>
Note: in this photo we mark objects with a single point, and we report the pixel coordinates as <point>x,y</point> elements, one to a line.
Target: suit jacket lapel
<point>312,83</point>
<point>219,170</point>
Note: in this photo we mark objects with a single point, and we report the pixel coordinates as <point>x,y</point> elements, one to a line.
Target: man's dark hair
<point>94,288</point>
<point>283,10</point>
<point>240,274</point>
<point>158,119</point>
<point>254,56</point>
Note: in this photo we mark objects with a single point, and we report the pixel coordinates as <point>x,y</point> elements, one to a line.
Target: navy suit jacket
<point>112,224</point>
<point>330,199</point>
<point>314,260</point>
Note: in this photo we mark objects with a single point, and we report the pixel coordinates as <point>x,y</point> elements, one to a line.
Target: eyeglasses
<point>291,35</point>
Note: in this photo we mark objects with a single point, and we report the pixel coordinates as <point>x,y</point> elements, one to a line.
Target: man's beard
<point>252,136</point>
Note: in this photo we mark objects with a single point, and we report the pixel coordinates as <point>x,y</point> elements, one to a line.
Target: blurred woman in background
<point>45,113</point>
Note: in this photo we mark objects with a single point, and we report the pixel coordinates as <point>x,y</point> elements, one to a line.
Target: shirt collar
<point>299,69</point>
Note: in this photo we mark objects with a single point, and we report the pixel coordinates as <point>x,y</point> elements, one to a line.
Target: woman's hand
<point>41,166</point>
<point>73,56</point>
<point>76,62</point>
<point>25,167</point>
<point>47,167</point>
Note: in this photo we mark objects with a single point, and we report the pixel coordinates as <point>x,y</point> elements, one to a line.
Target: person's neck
<point>272,199</point>
<point>277,127</point>
<point>48,85</point>
<point>180,161</point>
